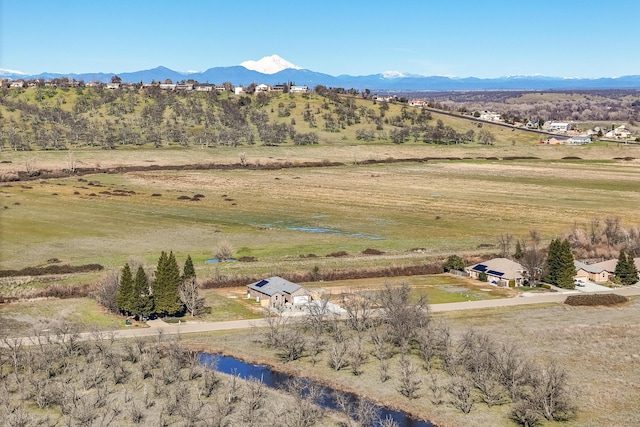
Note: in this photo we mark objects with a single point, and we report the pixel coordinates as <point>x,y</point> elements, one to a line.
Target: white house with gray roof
<point>276,291</point>
<point>499,271</point>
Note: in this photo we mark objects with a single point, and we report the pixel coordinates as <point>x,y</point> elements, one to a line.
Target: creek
<point>278,380</point>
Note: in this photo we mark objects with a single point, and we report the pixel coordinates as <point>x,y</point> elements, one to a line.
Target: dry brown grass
<point>599,346</point>
<point>346,152</point>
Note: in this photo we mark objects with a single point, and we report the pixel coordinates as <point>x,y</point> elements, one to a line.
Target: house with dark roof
<point>276,291</point>
<point>499,272</point>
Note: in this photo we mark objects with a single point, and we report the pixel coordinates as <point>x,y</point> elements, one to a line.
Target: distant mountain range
<point>275,70</point>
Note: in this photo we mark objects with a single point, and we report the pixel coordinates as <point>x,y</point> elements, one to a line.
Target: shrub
<point>51,269</point>
<point>338,254</point>
<point>595,300</point>
<point>454,262</point>
<point>370,251</point>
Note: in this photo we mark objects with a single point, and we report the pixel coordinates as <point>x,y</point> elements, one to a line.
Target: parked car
<point>578,282</point>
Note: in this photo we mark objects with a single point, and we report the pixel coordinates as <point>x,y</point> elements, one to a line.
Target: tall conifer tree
<point>166,289</point>
<point>519,252</point>
<point>143,303</point>
<point>124,299</point>
<point>567,268</point>
<point>188,271</point>
<point>560,267</point>
<point>626,270</point>
<point>553,260</point>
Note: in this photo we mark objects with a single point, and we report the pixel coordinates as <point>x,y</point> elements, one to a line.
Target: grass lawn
<point>599,347</point>
<point>438,289</point>
<point>26,317</point>
<point>225,305</point>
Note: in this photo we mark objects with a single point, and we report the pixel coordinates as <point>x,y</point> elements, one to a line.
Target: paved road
<point>184,328</point>
<point>156,327</point>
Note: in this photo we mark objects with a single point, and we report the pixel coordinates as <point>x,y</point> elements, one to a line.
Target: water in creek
<point>274,379</point>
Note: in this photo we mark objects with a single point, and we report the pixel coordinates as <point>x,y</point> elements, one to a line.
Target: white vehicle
<point>578,282</point>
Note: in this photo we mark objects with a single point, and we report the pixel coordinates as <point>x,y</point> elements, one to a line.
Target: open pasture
<point>281,216</point>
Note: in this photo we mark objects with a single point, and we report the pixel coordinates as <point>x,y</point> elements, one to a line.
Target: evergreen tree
<point>567,268</point>
<point>553,262</point>
<point>626,270</point>
<point>124,298</point>
<point>454,262</point>
<point>560,267</point>
<point>188,271</point>
<point>166,288</point>
<point>519,252</point>
<point>143,302</point>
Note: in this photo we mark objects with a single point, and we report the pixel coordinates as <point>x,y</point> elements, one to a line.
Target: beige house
<point>499,272</point>
<point>592,272</point>
<point>610,266</point>
<point>276,291</point>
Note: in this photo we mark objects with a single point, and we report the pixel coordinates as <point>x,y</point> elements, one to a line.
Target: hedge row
<point>51,269</point>
<point>310,276</point>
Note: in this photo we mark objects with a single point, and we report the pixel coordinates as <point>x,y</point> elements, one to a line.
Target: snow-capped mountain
<point>269,65</point>
<point>5,72</point>
<point>274,70</point>
<point>393,74</point>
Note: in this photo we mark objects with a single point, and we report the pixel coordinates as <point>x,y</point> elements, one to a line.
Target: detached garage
<point>276,291</point>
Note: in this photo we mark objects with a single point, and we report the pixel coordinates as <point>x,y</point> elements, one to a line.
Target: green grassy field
<point>277,215</point>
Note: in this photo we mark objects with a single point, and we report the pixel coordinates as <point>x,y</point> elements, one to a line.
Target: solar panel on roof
<point>495,273</point>
<point>261,283</point>
<point>480,267</point>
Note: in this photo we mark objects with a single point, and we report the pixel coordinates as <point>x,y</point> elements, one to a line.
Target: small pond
<point>219,260</point>
<point>274,379</point>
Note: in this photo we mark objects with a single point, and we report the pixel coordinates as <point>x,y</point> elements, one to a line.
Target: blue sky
<point>460,38</point>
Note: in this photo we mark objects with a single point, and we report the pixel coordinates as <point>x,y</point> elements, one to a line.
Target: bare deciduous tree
<point>525,413</point>
<point>551,392</point>
<point>223,251</point>
<point>533,261</point>
<point>106,290</point>
<point>514,369</point>
<point>505,242</point>
<point>359,412</point>
<point>613,231</point>
<point>253,400</point>
<point>410,384</point>
<point>305,412</point>
<point>460,389</point>
<point>190,295</point>
<point>402,316</point>
<point>359,307</point>
<point>337,356</point>
<point>357,355</point>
